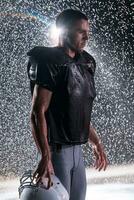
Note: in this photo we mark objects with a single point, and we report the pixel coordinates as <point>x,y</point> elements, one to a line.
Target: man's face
<point>77,36</point>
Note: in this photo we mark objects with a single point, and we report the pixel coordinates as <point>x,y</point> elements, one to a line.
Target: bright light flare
<point>54,34</point>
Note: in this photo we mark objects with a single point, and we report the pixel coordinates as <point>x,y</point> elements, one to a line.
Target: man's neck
<point>68,50</point>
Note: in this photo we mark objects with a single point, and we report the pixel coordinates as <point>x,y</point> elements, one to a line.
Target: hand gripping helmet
<point>28,190</point>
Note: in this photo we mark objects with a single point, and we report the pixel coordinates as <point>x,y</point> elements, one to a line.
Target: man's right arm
<point>40,103</point>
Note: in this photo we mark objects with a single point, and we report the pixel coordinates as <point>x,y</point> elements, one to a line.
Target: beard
<point>77,47</point>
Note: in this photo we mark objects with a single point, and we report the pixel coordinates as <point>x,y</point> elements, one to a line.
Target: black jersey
<point>72,82</point>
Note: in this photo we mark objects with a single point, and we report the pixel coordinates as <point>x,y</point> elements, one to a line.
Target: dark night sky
<point>24,24</point>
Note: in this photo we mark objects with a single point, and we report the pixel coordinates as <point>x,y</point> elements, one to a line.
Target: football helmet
<point>29,190</point>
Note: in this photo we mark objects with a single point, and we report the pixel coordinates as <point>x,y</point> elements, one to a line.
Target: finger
<point>38,180</point>
<point>37,169</point>
<point>50,183</point>
<point>96,153</point>
<point>103,163</point>
<point>35,175</point>
<point>106,164</point>
<point>98,161</point>
<point>39,172</point>
<point>101,166</point>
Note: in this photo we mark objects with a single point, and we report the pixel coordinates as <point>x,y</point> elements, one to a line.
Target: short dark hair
<point>68,17</point>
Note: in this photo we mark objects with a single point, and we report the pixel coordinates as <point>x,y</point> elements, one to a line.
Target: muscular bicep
<point>41,99</point>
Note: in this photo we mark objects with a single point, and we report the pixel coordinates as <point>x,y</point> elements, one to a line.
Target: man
<point>62,86</point>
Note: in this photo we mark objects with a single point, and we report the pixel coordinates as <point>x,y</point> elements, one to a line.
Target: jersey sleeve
<point>93,65</point>
<point>42,74</point>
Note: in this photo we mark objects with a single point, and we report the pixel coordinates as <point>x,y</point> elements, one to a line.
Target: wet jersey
<point>72,82</point>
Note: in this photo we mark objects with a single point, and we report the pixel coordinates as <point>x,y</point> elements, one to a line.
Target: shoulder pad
<point>47,55</point>
<point>39,52</point>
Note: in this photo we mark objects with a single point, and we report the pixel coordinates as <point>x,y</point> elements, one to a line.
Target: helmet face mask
<point>29,190</point>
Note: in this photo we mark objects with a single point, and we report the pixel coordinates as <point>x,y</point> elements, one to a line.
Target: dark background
<point>24,24</point>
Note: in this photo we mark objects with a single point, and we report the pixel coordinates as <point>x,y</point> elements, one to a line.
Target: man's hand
<point>101,160</point>
<point>44,172</point>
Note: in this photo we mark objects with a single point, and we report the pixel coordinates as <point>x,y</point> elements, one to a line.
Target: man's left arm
<point>101,160</point>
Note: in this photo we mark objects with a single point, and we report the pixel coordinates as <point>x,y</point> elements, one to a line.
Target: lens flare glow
<point>54,34</point>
